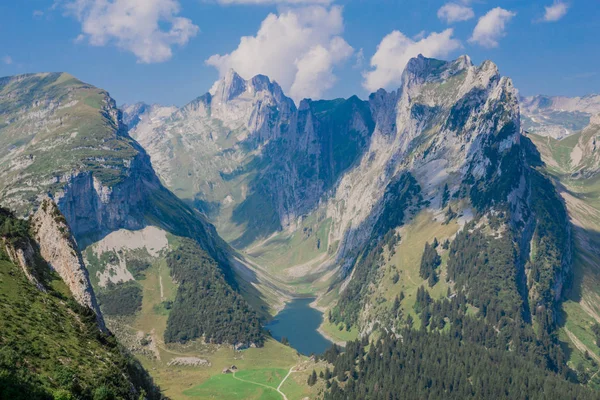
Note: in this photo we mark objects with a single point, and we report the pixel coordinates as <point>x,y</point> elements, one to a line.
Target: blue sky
<point>158,51</point>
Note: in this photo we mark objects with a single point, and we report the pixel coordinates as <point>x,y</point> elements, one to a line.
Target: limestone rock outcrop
<point>58,247</point>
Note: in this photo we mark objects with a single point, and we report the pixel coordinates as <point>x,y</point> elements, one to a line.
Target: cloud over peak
<point>147,28</point>
<point>491,27</point>
<point>396,49</point>
<point>298,48</point>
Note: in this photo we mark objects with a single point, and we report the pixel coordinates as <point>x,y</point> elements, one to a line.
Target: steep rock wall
<point>58,247</point>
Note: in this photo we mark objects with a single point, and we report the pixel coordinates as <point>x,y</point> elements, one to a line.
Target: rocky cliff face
<point>24,256</point>
<point>53,127</point>
<point>444,125</point>
<point>245,149</point>
<point>63,137</point>
<point>95,209</point>
<point>214,134</point>
<point>40,311</point>
<point>133,114</point>
<point>58,247</point>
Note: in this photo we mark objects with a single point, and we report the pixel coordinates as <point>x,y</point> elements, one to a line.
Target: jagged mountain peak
<point>254,109</point>
<point>464,61</point>
<point>423,69</point>
<point>435,117</point>
<point>230,87</point>
<point>233,86</point>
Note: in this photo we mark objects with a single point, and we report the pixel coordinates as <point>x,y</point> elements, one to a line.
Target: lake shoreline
<point>300,324</point>
<point>328,337</point>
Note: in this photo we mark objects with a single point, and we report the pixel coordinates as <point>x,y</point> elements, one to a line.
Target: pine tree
<point>429,261</point>
<point>396,305</point>
<point>341,375</point>
<point>433,278</point>
<point>445,196</point>
<point>312,379</point>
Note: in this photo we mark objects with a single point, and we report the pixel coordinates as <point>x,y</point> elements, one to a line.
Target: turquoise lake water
<point>298,322</point>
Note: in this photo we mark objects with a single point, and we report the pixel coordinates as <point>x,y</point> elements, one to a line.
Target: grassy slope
<point>581,308</point>
<point>406,260</point>
<point>50,336</point>
<point>176,380</point>
<point>261,384</point>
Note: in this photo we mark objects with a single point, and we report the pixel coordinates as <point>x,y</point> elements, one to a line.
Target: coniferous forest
<point>206,306</point>
<point>423,365</point>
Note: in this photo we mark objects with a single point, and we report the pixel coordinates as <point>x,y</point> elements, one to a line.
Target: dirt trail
<point>162,293</point>
<point>278,389</point>
<point>281,384</point>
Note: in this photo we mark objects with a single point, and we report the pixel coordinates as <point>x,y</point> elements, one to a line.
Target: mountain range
<point>557,116</point>
<point>450,209</point>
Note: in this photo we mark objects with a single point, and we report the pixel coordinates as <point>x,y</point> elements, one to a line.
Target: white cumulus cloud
<point>299,48</point>
<point>396,49</point>
<point>147,28</point>
<point>452,12</point>
<point>556,11</point>
<point>491,27</point>
<point>7,60</point>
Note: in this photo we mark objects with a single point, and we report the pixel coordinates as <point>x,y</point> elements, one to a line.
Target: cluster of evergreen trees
<point>12,229</point>
<point>121,298</point>
<point>205,304</point>
<point>429,263</point>
<point>486,268</point>
<point>426,365</point>
<point>312,378</point>
<point>596,330</point>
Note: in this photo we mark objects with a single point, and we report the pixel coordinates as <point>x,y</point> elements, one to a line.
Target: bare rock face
<point>244,149</point>
<point>59,249</point>
<point>24,257</point>
<point>94,209</point>
<point>440,126</point>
